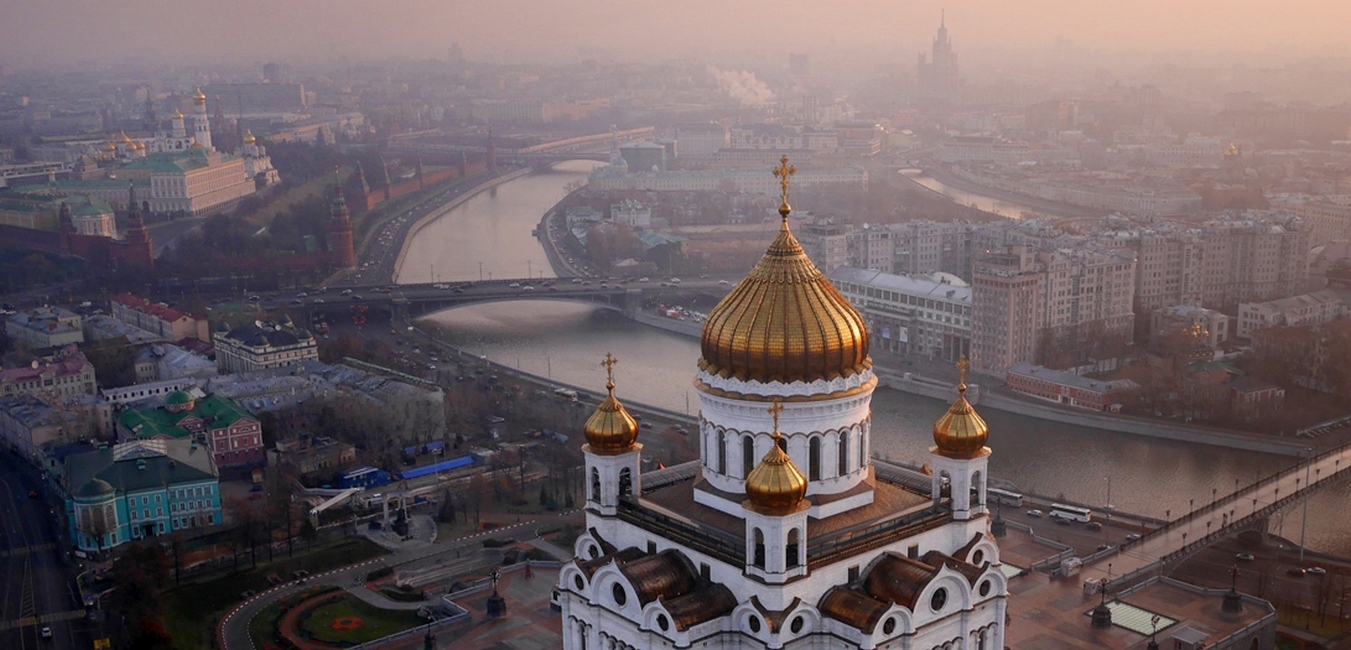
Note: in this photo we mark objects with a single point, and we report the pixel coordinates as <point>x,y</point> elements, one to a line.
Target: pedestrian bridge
<point>1249,508</point>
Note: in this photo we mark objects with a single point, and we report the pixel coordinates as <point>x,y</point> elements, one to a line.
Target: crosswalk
<point>27,550</point>
<point>44,619</point>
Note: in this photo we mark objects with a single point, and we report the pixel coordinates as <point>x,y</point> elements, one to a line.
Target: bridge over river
<point>1245,509</point>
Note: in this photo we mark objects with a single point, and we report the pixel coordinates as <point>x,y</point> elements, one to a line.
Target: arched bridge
<point>1249,508</point>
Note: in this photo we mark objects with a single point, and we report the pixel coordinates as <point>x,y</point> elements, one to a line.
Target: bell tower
<point>960,458</point>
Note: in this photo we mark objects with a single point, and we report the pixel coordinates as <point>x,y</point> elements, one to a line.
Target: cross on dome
<point>961,372</point>
<point>774,412</point>
<point>609,364</point>
<point>783,172</point>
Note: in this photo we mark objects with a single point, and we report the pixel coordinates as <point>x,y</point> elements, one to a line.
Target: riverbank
<point>1002,400</point>
<point>1049,208</point>
<point>447,207</point>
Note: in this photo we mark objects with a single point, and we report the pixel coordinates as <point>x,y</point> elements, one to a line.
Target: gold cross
<point>774,412</point>
<point>609,364</point>
<point>961,369</point>
<point>782,172</point>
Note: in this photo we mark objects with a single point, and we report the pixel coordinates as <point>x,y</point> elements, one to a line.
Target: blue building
<point>363,477</point>
<point>138,490</point>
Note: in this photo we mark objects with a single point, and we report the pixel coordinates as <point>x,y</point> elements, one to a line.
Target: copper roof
<point>854,608</point>
<point>704,604</point>
<point>589,567</point>
<point>664,575</point>
<point>898,579</point>
<point>970,571</point>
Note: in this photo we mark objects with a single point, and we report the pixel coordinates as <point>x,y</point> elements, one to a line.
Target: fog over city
<point>723,324</point>
<point>167,32</point>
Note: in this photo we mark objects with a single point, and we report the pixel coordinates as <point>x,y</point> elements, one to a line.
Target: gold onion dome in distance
<point>248,137</point>
<point>198,96</point>
<point>784,321</point>
<point>961,433</point>
<point>776,484</point>
<point>610,430</point>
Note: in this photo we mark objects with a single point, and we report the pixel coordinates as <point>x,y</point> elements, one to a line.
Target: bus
<point>1003,497</point>
<point>1072,513</point>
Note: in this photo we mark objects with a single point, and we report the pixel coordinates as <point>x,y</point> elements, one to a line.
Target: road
<point>37,584</point>
<point>234,628</point>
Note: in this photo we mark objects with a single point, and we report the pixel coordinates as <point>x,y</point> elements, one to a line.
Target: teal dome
<point>178,398</point>
<point>96,488</point>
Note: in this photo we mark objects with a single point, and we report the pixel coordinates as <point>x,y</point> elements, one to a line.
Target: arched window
<point>722,452</point>
<point>844,453</point>
<point>862,450</point>
<point>747,455</point>
<point>791,552</point>
<point>625,482</point>
<point>595,485</point>
<point>977,499</point>
<point>814,459</point>
<point>759,555</point>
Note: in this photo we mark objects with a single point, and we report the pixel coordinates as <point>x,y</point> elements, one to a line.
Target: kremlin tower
<point>340,230</point>
<point>785,533</point>
<point>139,248</point>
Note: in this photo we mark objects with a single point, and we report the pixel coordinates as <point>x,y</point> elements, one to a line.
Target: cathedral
<point>784,534</point>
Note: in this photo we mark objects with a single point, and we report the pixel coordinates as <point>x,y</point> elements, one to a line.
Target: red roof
<point>154,309</point>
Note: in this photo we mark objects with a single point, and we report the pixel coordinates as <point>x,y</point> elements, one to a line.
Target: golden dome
<point>198,145</point>
<point>109,147</point>
<point>776,484</point>
<point>198,97</point>
<point>961,433</point>
<point>248,137</point>
<point>122,137</point>
<point>610,430</point>
<point>177,114</point>
<point>784,321</point>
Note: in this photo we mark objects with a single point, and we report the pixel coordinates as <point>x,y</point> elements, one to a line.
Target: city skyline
<point>532,31</point>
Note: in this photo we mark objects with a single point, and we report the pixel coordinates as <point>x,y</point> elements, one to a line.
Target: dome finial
<point>609,363</point>
<point>961,373</point>
<point>783,172</point>
<point>774,412</point>
<point>961,432</point>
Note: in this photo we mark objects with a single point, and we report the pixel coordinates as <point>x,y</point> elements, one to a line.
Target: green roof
<point>218,413</point>
<point>183,462</point>
<point>178,397</point>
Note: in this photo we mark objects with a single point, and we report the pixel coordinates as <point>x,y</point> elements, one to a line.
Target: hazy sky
<point>196,31</point>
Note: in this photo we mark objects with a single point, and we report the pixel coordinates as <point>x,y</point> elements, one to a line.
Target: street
<point>39,589</point>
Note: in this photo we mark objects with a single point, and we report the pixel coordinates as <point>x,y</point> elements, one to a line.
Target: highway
<point>39,589</point>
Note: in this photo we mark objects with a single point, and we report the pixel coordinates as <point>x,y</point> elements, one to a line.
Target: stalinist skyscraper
<point>784,534</point>
<point>937,77</point>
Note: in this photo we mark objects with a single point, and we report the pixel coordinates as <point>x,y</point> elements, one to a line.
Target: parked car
<point>1297,572</point>
<point>1133,537</point>
<point>1093,525</point>
<point>1317,570</point>
<point>46,632</point>
<point>1244,557</point>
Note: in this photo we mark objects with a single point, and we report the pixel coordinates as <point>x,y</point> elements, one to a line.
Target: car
<point>1034,513</point>
<point>1317,570</point>
<point>1297,572</point>
<point>675,280</point>
<point>355,297</point>
<point>1103,547</point>
<point>302,294</point>
<point>723,282</point>
<point>1093,525</point>
<point>1061,521</point>
<point>553,288</point>
<point>46,632</point>
<point>254,298</point>
<point>643,279</point>
<point>32,494</point>
<point>1244,557</point>
<point>1133,537</point>
<point>527,288</point>
<point>297,301</point>
<point>318,301</point>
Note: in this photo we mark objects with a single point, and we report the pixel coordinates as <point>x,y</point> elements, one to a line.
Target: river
<point>565,341</point>
<point>978,201</point>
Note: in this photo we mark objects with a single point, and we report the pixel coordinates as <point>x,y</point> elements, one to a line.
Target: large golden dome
<point>961,432</point>
<point>199,97</point>
<point>248,137</point>
<point>776,484</point>
<point>784,321</point>
<point>610,430</point>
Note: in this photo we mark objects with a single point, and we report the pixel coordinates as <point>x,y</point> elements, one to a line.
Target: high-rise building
<point>937,76</point>
<point>784,533</point>
<point>1252,257</point>
<point>1008,310</point>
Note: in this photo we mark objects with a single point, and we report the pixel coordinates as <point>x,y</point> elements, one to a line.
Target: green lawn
<point>262,627</point>
<point>375,623</point>
<point>201,603</point>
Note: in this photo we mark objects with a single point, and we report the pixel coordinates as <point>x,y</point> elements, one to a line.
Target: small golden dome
<point>784,321</point>
<point>109,147</point>
<point>177,114</point>
<point>198,97</point>
<point>610,430</point>
<point>248,137</point>
<point>122,137</point>
<point>198,145</point>
<point>961,432</point>
<point>776,484</point>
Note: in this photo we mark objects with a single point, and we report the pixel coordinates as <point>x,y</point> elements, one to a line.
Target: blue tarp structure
<point>443,466</point>
<point>363,477</point>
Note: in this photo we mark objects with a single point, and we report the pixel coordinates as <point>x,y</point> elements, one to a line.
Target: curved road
<point>233,633</point>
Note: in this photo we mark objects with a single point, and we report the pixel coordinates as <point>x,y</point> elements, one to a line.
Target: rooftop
<point>216,412</point>
<point>133,466</point>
